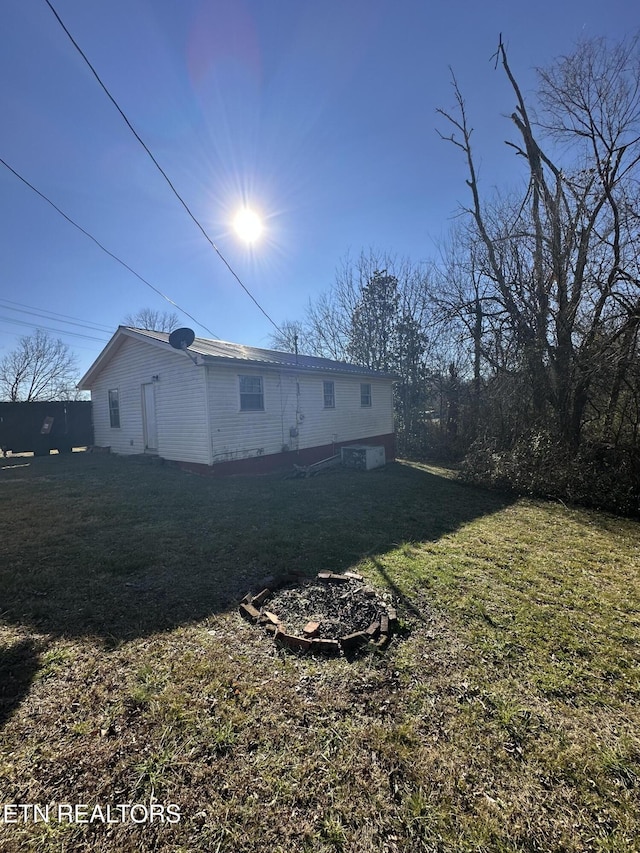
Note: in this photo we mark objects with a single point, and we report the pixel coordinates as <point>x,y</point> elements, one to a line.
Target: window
<point>365,394</point>
<point>114,409</point>
<point>329,395</point>
<point>251,394</point>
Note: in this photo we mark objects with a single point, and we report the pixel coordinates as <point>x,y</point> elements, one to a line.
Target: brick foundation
<point>274,462</point>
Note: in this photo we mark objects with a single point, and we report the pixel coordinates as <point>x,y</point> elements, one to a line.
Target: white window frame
<point>114,410</point>
<point>365,396</point>
<point>242,395</point>
<point>330,385</point>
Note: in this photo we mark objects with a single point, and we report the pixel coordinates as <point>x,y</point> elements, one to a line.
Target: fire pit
<point>330,614</point>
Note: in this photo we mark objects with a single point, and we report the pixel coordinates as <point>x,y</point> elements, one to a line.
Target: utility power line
<point>13,321</point>
<point>76,345</point>
<point>159,167</point>
<point>104,249</point>
<point>52,316</point>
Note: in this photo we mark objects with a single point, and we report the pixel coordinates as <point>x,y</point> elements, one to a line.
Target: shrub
<point>595,474</point>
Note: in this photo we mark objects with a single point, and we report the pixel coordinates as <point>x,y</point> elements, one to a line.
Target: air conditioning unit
<point>363,456</point>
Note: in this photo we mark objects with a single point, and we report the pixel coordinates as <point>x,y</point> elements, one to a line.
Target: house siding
<point>348,421</point>
<point>239,434</point>
<point>294,417</point>
<point>181,406</point>
<point>199,418</point>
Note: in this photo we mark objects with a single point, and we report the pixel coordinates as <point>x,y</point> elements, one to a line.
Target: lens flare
<point>248,225</point>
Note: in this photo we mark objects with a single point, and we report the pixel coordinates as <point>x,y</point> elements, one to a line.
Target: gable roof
<point>224,352</point>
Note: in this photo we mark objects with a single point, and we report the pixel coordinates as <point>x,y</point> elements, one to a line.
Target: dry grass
<point>505,718</point>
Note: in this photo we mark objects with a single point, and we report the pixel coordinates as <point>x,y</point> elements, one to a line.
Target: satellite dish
<point>182,338</point>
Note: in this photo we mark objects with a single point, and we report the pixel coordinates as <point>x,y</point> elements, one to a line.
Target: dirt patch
<point>340,609</point>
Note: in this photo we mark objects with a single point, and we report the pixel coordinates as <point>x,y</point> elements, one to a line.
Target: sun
<point>248,225</point>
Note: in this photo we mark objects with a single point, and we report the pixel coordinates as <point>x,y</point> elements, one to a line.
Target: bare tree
<point>376,314</point>
<point>563,259</point>
<point>328,319</point>
<point>152,320</point>
<point>289,336</point>
<point>40,368</point>
<point>347,322</point>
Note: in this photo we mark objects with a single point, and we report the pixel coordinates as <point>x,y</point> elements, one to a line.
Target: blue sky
<point>321,115</point>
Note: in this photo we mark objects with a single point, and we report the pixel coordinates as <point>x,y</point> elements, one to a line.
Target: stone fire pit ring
<point>330,614</point>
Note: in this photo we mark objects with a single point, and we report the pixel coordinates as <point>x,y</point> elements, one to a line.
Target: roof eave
<point>123,332</point>
<point>295,368</point>
<point>109,351</point>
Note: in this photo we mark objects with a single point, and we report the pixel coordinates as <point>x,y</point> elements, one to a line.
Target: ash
<point>340,608</point>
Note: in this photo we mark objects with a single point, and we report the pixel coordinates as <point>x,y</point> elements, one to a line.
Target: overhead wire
<point>87,346</point>
<point>104,249</point>
<point>64,332</point>
<point>159,167</point>
<point>52,316</point>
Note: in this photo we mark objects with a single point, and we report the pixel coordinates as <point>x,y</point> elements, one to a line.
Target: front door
<point>149,417</point>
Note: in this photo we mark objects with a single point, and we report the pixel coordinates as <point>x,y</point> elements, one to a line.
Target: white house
<point>225,407</point>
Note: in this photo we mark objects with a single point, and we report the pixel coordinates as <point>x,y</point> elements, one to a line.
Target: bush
<point>595,475</point>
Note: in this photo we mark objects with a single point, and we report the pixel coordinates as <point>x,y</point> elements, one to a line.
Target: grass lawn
<point>504,717</point>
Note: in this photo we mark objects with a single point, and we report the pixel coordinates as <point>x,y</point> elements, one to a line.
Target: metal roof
<point>224,352</point>
<point>214,350</point>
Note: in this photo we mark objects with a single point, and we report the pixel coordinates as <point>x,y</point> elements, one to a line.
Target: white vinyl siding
<point>295,415</point>
<point>198,408</point>
<point>348,421</point>
<point>182,429</point>
<point>237,434</point>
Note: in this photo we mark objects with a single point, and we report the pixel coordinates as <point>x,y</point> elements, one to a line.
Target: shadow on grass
<point>116,549</point>
<point>398,592</point>
<point>18,666</point>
